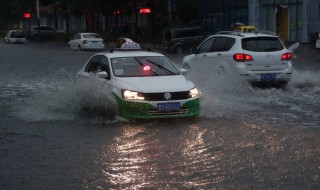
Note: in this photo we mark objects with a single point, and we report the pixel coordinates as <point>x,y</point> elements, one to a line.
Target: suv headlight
<point>131,95</point>
<point>194,93</point>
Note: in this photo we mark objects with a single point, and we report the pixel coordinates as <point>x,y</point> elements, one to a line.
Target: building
<point>292,20</point>
<point>219,15</point>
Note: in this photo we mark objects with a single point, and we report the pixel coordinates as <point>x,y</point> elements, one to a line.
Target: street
<point>56,134</point>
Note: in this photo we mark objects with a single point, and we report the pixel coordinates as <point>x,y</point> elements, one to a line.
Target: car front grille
<point>160,96</point>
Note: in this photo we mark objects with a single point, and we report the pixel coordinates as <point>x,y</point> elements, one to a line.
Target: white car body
<point>259,64</point>
<point>15,36</point>
<point>318,42</point>
<point>146,95</point>
<point>86,41</point>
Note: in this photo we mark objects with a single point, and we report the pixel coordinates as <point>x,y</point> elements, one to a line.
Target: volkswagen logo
<point>167,96</point>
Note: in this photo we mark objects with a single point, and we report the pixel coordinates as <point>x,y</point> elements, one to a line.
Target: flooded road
<point>56,134</point>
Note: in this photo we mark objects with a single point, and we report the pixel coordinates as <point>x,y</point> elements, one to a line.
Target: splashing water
<point>65,98</point>
<point>223,94</point>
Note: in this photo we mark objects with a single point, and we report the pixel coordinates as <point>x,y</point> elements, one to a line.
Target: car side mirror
<point>183,71</point>
<point>194,50</point>
<point>102,75</point>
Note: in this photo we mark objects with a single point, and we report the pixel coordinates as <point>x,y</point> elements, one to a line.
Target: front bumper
<point>148,110</point>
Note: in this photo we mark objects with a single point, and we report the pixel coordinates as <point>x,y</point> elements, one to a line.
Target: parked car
<point>46,33</point>
<point>182,39</point>
<point>15,36</point>
<point>318,42</point>
<point>144,84</point>
<point>86,41</point>
<point>257,57</point>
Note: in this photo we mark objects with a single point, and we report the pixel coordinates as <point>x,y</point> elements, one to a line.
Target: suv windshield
<point>262,44</point>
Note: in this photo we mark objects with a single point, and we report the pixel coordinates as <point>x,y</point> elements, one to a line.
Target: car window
<point>94,64</point>
<point>262,44</point>
<point>222,44</point>
<point>142,66</point>
<point>17,34</point>
<point>91,36</point>
<point>105,64</point>
<point>78,36</point>
<point>206,46</point>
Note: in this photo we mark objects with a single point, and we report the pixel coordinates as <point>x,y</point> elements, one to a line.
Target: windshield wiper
<point>160,66</point>
<point>140,63</point>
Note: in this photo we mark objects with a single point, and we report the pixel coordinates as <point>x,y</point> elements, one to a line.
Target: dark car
<point>181,40</point>
<point>46,32</point>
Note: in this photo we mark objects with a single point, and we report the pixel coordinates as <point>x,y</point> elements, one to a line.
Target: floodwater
<point>57,134</point>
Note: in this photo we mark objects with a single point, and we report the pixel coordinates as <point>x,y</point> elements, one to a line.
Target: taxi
<point>144,84</point>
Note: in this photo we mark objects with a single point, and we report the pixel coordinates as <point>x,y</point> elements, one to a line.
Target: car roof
<point>84,33</point>
<point>15,30</point>
<point>247,34</point>
<point>130,53</point>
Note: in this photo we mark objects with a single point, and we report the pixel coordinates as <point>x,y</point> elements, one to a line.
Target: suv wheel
<point>79,48</point>
<point>179,50</point>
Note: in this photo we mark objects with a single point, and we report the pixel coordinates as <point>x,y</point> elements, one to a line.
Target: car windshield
<point>262,44</point>
<point>17,34</point>
<point>142,66</point>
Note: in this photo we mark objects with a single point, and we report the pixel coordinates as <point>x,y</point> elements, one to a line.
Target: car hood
<point>155,84</point>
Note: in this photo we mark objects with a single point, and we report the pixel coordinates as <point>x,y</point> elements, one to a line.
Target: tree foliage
<point>11,11</point>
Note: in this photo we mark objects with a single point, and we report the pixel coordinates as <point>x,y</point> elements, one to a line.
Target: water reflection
<point>163,157</point>
<point>129,166</point>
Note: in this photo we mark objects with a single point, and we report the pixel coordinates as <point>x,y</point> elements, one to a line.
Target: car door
<point>214,50</point>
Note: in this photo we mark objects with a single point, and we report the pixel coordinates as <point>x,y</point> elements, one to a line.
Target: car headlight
<point>193,93</point>
<point>131,95</point>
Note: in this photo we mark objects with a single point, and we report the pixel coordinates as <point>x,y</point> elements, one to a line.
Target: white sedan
<point>86,41</point>
<point>144,84</point>
<point>15,36</point>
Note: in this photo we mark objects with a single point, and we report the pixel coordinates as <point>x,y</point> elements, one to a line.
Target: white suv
<point>258,57</point>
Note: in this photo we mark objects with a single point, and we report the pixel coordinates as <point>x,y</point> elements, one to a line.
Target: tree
<point>11,12</point>
<point>187,10</point>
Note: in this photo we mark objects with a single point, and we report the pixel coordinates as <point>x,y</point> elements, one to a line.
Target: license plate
<point>165,107</point>
<point>268,77</point>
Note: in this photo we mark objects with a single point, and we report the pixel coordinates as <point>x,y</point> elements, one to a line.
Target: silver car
<point>15,36</point>
<point>257,57</point>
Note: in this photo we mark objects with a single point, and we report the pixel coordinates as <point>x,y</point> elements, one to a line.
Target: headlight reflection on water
<point>148,157</point>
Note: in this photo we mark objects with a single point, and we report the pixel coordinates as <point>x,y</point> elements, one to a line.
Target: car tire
<point>69,48</point>
<point>179,50</point>
<point>79,48</point>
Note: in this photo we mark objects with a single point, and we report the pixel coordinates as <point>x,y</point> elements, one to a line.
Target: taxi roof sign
<point>126,43</point>
<point>130,45</point>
